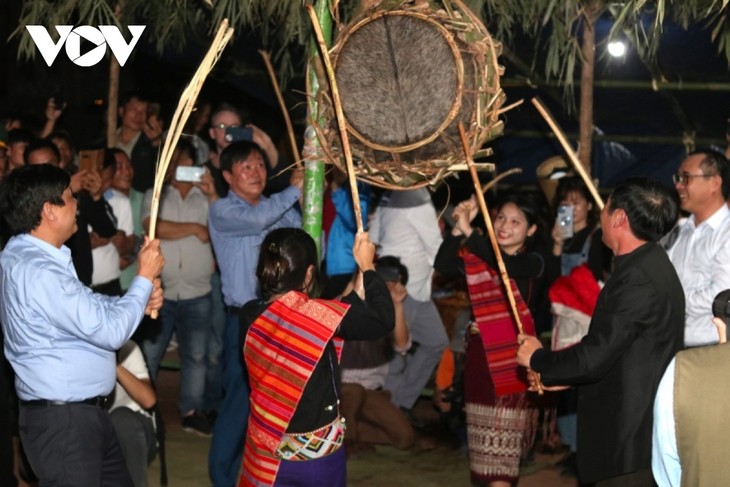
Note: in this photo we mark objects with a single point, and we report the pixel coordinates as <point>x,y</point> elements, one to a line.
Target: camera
<point>565,220</point>
<point>721,306</point>
<point>234,134</point>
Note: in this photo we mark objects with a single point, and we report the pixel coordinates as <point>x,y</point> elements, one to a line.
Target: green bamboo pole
<point>314,168</point>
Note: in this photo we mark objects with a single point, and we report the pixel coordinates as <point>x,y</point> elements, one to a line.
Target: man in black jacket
<point>637,327</point>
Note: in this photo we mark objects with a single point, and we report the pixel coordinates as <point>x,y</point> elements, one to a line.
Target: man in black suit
<point>637,327</point>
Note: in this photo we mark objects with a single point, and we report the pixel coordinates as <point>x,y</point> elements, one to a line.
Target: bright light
<point>616,48</point>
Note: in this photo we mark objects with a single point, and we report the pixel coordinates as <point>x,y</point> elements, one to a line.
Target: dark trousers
<point>642,478</point>
<point>6,430</point>
<point>73,445</point>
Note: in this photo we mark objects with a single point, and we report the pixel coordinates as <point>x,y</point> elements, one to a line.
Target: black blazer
<point>637,327</point>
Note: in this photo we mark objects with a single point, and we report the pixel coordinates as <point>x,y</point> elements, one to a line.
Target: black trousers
<point>73,445</point>
<point>6,430</point>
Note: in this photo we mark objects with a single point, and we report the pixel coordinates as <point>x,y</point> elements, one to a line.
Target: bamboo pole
<point>282,105</point>
<point>312,150</point>
<point>568,150</point>
<point>493,239</point>
<point>177,123</point>
<point>340,117</point>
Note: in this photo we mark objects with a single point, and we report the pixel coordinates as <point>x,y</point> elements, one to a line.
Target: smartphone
<point>189,174</point>
<point>565,220</point>
<point>153,108</point>
<point>234,134</point>
<point>91,160</point>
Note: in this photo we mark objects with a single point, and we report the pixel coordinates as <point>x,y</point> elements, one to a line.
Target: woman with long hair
<point>501,417</point>
<point>292,342</point>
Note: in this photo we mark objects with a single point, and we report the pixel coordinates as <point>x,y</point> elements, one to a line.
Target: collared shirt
<point>701,256</point>
<point>664,455</point>
<point>188,260</point>
<point>405,226</point>
<point>106,257</point>
<point>129,146</point>
<point>60,337</point>
<point>237,229</point>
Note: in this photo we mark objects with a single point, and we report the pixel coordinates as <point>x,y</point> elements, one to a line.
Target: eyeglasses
<point>223,126</point>
<point>683,178</point>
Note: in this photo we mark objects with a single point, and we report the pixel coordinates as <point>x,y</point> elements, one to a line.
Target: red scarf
<point>282,347</point>
<point>496,324</point>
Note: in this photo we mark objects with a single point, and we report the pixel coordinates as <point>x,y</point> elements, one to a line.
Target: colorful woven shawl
<point>496,324</point>
<point>282,347</point>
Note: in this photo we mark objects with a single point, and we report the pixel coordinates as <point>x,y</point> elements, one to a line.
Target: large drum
<point>407,76</point>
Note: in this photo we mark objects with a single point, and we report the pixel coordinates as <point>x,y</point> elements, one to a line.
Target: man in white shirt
<point>106,252</point>
<point>700,253</point>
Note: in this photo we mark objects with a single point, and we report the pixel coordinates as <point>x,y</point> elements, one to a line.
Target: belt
<point>233,310</point>
<point>98,401</point>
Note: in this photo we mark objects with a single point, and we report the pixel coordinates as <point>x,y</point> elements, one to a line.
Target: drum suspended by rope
<point>407,76</point>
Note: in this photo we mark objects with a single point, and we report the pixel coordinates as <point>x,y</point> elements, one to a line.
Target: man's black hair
<point>24,192</point>
<point>20,135</point>
<point>651,208</point>
<point>132,94</point>
<point>38,144</point>
<point>238,152</point>
<point>185,145</point>
<point>388,263</point>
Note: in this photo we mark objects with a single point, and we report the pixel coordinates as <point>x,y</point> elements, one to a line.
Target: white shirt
<point>405,226</point>
<point>664,456</point>
<point>106,257</point>
<point>701,256</point>
<point>132,360</point>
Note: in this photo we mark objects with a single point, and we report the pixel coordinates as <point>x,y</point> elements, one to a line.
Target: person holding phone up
<point>183,231</point>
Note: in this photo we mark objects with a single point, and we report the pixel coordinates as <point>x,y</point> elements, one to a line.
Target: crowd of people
<point>294,362</point>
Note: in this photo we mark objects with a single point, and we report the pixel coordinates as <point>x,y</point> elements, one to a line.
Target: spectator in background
<point>106,252</point>
<point>182,227</point>
<point>122,188</point>
<point>237,225</point>
<point>405,226</point>
<point>18,140</point>
<point>370,415</point>
<point>69,159</point>
<point>339,263</point>
<point>698,246</point>
<point>139,135</point>
<point>131,401</point>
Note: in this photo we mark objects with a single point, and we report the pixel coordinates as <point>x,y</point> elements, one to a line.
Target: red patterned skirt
<point>499,429</point>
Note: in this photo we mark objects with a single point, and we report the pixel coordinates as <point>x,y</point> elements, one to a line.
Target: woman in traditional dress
<point>501,417</point>
<point>292,343</point>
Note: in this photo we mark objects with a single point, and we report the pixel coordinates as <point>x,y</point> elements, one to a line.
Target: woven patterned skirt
<point>499,429</point>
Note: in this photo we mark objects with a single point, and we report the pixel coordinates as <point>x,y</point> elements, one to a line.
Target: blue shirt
<point>664,456</point>
<point>344,227</point>
<point>237,229</point>
<point>60,337</point>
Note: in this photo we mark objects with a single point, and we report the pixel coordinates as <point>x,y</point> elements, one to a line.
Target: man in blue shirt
<point>237,225</point>
<point>60,337</point>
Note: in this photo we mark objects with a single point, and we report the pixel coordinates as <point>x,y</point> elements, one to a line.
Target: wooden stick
<point>340,116</point>
<point>493,239</point>
<point>284,111</point>
<point>568,150</point>
<point>184,108</point>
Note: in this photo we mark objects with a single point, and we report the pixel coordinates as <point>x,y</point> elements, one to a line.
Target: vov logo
<point>71,37</point>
